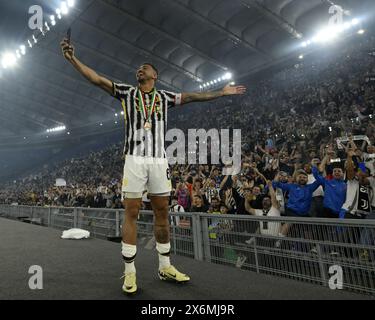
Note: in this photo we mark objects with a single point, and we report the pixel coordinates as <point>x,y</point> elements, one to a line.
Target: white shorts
<point>146,174</point>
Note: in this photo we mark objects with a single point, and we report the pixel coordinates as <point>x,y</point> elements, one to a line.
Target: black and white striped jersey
<point>138,141</point>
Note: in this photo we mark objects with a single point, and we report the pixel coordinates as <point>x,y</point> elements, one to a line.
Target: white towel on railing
<point>75,234</point>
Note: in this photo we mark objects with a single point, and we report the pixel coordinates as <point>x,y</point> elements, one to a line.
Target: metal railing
<point>328,252</point>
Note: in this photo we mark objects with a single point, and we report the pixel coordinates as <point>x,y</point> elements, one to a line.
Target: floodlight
<point>71,3</point>
<point>8,60</point>
<point>355,21</point>
<point>64,8</point>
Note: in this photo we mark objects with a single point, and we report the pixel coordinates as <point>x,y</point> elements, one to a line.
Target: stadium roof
<point>190,41</point>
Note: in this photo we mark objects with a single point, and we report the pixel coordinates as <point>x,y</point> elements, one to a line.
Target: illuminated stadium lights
<point>64,8</point>
<point>57,129</point>
<point>330,33</point>
<point>8,60</point>
<point>232,83</point>
<point>355,21</point>
<point>346,26</point>
<point>362,31</point>
<point>116,115</point>
<point>227,76</point>
<point>217,81</point>
<point>122,113</point>
<point>301,56</point>
<point>23,50</point>
<point>101,124</point>
<point>53,21</point>
<point>115,122</point>
<point>58,12</point>
<point>71,3</point>
<point>68,133</point>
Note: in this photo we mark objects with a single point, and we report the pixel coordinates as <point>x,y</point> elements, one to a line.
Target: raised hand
<point>314,162</point>
<point>269,183</point>
<point>233,90</point>
<point>67,49</point>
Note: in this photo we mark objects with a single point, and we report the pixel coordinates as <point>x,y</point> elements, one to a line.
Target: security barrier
<point>339,254</point>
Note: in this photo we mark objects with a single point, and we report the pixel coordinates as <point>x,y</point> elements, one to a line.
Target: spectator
<point>316,209</point>
<point>281,195</point>
<point>183,195</point>
<point>270,208</point>
<point>198,204</point>
<point>300,194</point>
<point>175,207</point>
<point>334,192</point>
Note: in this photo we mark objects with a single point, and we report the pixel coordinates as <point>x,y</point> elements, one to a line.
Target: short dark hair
<point>337,166</point>
<point>152,66</point>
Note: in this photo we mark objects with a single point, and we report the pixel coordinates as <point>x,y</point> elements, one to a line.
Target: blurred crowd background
<point>290,121</point>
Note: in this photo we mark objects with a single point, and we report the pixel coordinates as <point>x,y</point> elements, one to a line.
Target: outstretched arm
<point>272,192</point>
<point>89,74</point>
<point>260,175</point>
<point>317,175</point>
<point>350,167</point>
<point>248,207</point>
<point>207,96</point>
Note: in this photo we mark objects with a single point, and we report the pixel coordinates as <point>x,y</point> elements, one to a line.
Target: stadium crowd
<point>290,124</point>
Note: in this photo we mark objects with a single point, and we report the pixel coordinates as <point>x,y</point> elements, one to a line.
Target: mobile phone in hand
<point>69,34</point>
